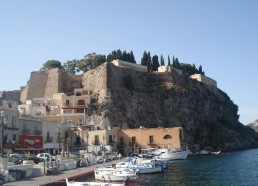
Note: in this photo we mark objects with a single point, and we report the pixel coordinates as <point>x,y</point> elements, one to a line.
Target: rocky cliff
<point>129,98</point>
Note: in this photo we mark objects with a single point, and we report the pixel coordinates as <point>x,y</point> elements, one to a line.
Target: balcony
<point>133,144</point>
<point>122,144</point>
<point>37,133</point>
<point>95,142</point>
<point>151,143</point>
<point>25,131</point>
<point>49,139</point>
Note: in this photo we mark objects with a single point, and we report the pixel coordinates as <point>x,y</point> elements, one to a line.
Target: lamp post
<point>103,146</point>
<point>87,137</point>
<point>59,136</point>
<point>3,123</point>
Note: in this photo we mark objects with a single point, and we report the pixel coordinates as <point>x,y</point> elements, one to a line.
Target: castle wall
<point>37,85</point>
<point>96,80</point>
<point>53,84</point>
<point>43,84</point>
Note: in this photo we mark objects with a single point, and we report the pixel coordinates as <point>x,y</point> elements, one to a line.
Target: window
<point>151,138</point>
<point>81,102</point>
<point>78,93</point>
<point>110,140</point>
<point>133,139</point>
<point>14,137</point>
<point>13,122</point>
<point>48,137</point>
<point>67,102</point>
<point>121,141</point>
<point>96,139</point>
<point>24,129</point>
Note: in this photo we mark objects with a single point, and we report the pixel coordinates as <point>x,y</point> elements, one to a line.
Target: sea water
<point>229,169</point>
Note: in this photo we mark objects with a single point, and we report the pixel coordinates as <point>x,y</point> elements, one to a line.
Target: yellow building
<point>129,140</point>
<point>136,139</point>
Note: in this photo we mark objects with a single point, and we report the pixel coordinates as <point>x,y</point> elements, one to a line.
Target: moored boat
<point>77,183</point>
<point>115,176</point>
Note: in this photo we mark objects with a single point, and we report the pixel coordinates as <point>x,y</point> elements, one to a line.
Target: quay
<point>59,179</point>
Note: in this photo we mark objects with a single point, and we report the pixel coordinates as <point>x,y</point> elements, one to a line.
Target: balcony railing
<point>151,143</point>
<point>95,142</point>
<point>133,143</point>
<point>49,139</point>
<point>25,131</point>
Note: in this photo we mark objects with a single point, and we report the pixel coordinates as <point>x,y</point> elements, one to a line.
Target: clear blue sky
<point>220,35</point>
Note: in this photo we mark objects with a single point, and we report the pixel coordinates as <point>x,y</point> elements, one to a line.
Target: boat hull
<point>74,183</point>
<point>115,177</point>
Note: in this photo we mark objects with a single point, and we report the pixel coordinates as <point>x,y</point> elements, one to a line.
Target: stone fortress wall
<point>46,83</point>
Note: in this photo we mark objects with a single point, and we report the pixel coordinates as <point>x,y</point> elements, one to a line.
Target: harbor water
<point>235,168</point>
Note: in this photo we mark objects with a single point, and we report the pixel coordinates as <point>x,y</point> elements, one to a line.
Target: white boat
<point>143,168</point>
<point>116,175</point>
<point>170,153</point>
<point>77,183</point>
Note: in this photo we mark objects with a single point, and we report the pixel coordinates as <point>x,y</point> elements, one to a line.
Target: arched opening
<point>166,137</point>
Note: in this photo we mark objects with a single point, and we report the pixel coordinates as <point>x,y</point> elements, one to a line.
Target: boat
<point>170,153</point>
<point>77,183</point>
<point>116,175</point>
<point>140,166</point>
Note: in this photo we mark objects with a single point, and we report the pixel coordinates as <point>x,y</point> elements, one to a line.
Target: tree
<point>155,63</point>
<point>90,61</point>
<point>117,54</point>
<point>169,61</point>
<point>162,62</point>
<point>52,64</point>
<point>200,71</point>
<point>71,66</point>
<point>173,62</point>
<point>149,63</point>
<point>144,60</point>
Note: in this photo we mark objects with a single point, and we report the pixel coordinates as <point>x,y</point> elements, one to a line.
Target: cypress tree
<point>149,63</point>
<point>169,61</point>
<point>155,63</point>
<point>162,63</point>
<point>144,58</point>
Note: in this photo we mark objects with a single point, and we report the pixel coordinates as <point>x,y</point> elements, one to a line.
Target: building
<point>128,140</point>
<point>10,128</point>
<point>55,136</point>
<point>210,83</point>
<point>30,135</point>
<point>125,64</point>
<point>169,69</point>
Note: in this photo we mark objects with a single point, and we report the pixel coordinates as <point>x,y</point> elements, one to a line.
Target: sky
<point>220,35</point>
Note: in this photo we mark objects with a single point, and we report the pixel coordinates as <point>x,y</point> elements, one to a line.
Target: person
<point>119,156</point>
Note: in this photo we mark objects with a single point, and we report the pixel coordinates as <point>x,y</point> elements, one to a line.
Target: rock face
<point>129,98</point>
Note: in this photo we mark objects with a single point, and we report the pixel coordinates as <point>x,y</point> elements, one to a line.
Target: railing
<point>49,139</point>
<point>95,142</point>
<point>151,143</point>
<point>25,131</point>
<point>133,144</point>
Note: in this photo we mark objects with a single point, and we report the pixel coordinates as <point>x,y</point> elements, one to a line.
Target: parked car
<point>46,156</point>
<point>17,156</point>
<point>15,160</point>
<point>35,159</point>
<point>21,156</point>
